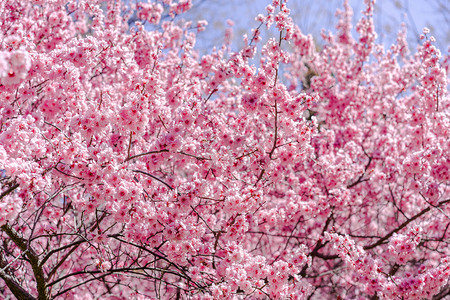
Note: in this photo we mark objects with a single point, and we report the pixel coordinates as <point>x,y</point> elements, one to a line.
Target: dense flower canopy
<point>132,167</point>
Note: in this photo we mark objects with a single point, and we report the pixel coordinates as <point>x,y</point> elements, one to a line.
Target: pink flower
<point>250,102</point>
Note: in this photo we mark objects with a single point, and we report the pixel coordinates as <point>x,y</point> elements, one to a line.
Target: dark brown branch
<point>193,156</point>
<point>443,293</point>
<point>159,256</point>
<point>57,128</point>
<point>276,132</point>
<point>403,225</point>
<point>165,150</point>
<point>33,258</point>
<point>247,154</point>
<point>18,291</point>
<point>320,245</point>
<point>74,246</point>
<point>154,177</point>
<point>210,95</point>
<point>56,168</point>
<point>260,176</point>
<point>360,178</point>
<point>145,153</point>
<point>11,189</point>
<point>108,272</point>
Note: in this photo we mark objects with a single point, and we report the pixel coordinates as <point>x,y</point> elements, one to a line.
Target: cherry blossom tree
<point>132,167</point>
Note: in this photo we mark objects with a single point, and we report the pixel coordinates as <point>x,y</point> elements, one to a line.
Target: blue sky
<point>311,16</point>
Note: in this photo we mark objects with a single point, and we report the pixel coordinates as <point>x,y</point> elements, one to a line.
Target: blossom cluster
<point>134,167</point>
<point>14,66</point>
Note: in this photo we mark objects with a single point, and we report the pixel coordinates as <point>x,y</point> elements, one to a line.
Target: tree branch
<point>403,225</point>
<point>18,291</point>
<point>32,256</point>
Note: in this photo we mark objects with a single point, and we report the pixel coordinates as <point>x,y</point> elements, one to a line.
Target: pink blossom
<point>134,164</point>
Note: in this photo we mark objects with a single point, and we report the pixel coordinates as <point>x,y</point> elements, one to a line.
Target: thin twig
<point>154,177</point>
